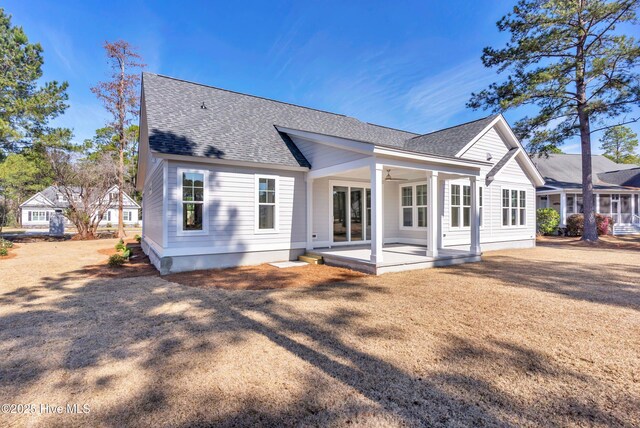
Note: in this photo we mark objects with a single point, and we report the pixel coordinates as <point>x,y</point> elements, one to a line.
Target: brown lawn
<point>549,336</point>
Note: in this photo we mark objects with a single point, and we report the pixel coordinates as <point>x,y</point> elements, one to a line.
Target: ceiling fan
<point>390,178</point>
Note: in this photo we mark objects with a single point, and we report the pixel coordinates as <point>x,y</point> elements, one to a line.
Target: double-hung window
<point>192,209</point>
<point>126,215</point>
<point>267,208</point>
<point>413,206</point>
<point>460,205</point>
<point>514,208</point>
<point>407,206</point>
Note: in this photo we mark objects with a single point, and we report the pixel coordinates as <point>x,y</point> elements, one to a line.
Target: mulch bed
<point>11,254</point>
<point>264,277</point>
<point>138,264</point>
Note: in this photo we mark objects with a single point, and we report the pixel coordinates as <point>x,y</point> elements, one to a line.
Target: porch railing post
<point>433,226</point>
<point>563,209</point>
<point>376,212</point>
<point>475,217</point>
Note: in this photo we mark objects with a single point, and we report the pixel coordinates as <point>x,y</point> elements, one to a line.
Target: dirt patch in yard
<point>264,277</point>
<point>138,265</point>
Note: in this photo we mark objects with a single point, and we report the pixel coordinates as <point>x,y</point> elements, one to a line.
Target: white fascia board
<point>466,171</point>
<point>201,159</point>
<point>330,140</point>
<point>33,197</point>
<point>386,151</point>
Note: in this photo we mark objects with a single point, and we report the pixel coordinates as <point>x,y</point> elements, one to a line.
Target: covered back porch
<point>380,214</point>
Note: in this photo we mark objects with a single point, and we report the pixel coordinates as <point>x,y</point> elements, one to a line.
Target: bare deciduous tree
<point>85,184</point>
<point>120,97</point>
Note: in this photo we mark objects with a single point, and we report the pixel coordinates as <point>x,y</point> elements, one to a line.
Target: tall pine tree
<point>573,63</point>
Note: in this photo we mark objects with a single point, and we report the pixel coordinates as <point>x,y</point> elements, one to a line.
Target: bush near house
<point>5,243</point>
<point>120,245</point>
<point>547,221</point>
<point>116,260</point>
<point>575,224</point>
<point>138,238</point>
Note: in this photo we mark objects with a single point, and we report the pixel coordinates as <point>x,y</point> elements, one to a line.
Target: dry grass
<point>548,336</point>
<point>264,277</point>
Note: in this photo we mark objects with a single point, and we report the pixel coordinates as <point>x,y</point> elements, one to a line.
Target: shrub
<point>138,238</point>
<point>126,253</point>
<point>4,252</point>
<point>4,243</point>
<point>137,225</point>
<point>575,224</point>
<point>547,220</point>
<point>116,260</point>
<point>109,225</point>
<point>120,245</point>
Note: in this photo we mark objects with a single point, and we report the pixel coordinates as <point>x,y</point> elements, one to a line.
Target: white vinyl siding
<point>152,214</point>
<point>231,217</point>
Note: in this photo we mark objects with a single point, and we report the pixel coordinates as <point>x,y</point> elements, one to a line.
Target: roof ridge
<point>251,95</point>
<point>458,125</point>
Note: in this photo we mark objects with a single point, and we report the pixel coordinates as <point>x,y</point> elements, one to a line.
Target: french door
<point>351,208</point>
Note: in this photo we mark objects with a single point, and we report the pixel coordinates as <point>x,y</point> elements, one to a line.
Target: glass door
<point>351,214</point>
<point>615,208</point>
<point>357,221</point>
<point>340,214</point>
<point>625,209</point>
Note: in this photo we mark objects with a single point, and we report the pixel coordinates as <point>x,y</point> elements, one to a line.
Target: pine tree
<point>572,62</point>
<point>619,144</point>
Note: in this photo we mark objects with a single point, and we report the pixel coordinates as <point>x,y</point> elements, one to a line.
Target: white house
<point>38,209</point>
<point>616,189</point>
<point>232,179</point>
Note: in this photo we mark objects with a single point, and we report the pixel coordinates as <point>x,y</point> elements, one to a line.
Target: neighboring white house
<point>232,179</point>
<point>38,209</point>
<point>616,189</point>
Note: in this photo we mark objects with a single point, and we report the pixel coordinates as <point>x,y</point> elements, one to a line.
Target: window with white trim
<point>267,196</point>
<point>514,207</point>
<point>460,205</point>
<point>39,215</point>
<point>407,206</point>
<point>413,206</point>
<point>192,203</point>
<point>126,216</point>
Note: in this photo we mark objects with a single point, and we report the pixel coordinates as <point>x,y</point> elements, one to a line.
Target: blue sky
<point>408,65</point>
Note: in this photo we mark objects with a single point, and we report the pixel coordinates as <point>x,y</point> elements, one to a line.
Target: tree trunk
<point>590,232</point>
<point>121,146</point>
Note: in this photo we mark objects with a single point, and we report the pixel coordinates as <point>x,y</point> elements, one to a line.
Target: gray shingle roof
<point>448,141</point>
<point>625,177</point>
<point>51,194</point>
<point>565,171</point>
<point>241,127</point>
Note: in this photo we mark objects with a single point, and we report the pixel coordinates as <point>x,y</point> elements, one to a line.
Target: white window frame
<point>45,214</point>
<point>205,202</point>
<point>276,209</point>
<point>126,213</point>
<point>461,207</point>
<point>518,207</point>
<point>414,205</point>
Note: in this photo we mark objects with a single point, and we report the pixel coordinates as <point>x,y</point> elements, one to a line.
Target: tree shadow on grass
<point>612,284</point>
<point>166,330</point>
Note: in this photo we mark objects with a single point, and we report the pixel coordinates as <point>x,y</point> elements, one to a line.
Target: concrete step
<point>312,259</point>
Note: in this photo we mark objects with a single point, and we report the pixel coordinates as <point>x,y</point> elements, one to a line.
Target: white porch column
<point>309,213</point>
<point>563,209</point>
<point>376,212</point>
<point>597,203</point>
<point>475,217</point>
<point>433,227</point>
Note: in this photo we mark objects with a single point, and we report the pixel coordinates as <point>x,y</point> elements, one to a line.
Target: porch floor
<point>395,257</point>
